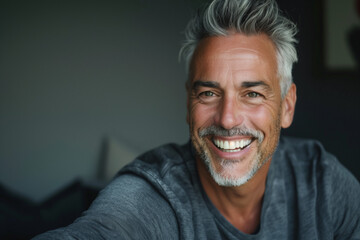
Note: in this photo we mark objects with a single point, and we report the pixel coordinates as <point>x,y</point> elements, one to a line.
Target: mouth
<point>232,146</point>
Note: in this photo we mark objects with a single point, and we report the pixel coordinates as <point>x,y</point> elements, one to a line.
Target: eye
<point>207,94</point>
<point>253,94</point>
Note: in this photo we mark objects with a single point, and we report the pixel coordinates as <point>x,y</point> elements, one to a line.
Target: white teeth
<point>216,142</point>
<point>232,145</point>
<point>242,144</point>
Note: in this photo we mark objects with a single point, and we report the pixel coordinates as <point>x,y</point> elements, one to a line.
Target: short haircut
<point>249,17</point>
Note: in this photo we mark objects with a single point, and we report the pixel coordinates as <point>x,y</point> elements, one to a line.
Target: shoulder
<point>311,157</point>
<point>160,158</point>
<point>166,167</point>
<point>302,149</point>
<point>317,173</point>
<point>153,190</point>
<point>136,204</point>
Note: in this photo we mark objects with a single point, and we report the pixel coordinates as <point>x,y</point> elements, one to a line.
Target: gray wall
<point>75,72</point>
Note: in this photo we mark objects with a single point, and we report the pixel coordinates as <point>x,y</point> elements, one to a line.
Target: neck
<point>241,206</point>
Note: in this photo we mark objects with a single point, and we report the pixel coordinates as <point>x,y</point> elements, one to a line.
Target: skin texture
<point>234,84</point>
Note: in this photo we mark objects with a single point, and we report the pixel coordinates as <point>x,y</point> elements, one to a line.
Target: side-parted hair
<point>249,17</point>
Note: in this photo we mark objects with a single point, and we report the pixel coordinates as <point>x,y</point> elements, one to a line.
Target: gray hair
<point>221,17</point>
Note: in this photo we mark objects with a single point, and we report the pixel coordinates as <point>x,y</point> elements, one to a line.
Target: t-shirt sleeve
<point>129,208</point>
<point>345,196</point>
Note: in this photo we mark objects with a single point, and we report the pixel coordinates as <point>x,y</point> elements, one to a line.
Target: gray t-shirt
<point>309,195</point>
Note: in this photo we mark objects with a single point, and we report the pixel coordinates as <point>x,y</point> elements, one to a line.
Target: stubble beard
<point>224,177</point>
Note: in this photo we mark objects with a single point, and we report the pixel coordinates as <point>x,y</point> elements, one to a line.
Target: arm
<point>129,208</point>
<point>345,195</point>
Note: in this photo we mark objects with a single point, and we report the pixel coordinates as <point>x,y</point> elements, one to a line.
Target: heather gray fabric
<point>309,195</point>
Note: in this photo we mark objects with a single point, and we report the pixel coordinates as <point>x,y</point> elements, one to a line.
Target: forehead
<point>238,53</point>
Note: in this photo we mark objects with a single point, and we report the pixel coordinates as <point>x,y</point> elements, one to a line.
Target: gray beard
<point>231,181</point>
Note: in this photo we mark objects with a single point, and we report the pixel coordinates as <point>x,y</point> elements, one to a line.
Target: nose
<point>229,113</point>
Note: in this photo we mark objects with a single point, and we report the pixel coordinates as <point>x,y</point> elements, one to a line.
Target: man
<point>235,179</point>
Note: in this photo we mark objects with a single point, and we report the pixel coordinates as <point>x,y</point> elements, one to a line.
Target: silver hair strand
<point>249,17</point>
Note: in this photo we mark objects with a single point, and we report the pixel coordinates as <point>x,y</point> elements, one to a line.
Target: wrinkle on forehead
<point>243,56</point>
<point>241,53</point>
<point>238,60</point>
<point>238,56</point>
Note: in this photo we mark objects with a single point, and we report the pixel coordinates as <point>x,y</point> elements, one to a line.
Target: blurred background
<point>85,86</point>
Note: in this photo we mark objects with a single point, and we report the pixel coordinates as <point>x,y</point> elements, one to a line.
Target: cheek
<point>201,115</point>
<point>262,117</point>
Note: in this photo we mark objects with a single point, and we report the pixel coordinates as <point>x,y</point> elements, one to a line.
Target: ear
<point>288,107</point>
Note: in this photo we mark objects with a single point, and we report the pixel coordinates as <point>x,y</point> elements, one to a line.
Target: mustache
<point>237,131</point>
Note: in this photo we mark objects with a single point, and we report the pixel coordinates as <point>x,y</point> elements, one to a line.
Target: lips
<point>232,145</point>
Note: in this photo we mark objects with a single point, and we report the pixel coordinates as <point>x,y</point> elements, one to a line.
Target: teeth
<point>232,145</point>
<point>221,145</point>
<point>242,144</point>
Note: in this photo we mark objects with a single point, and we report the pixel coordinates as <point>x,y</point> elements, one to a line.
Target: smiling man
<point>235,179</point>
<point>235,112</point>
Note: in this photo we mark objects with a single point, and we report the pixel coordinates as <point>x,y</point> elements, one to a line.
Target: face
<point>235,110</point>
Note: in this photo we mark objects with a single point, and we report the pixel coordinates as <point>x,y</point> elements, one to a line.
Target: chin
<point>232,168</point>
<point>228,174</point>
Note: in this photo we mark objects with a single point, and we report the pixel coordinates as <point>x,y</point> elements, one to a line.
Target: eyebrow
<point>212,84</point>
<point>255,84</point>
<point>209,84</point>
